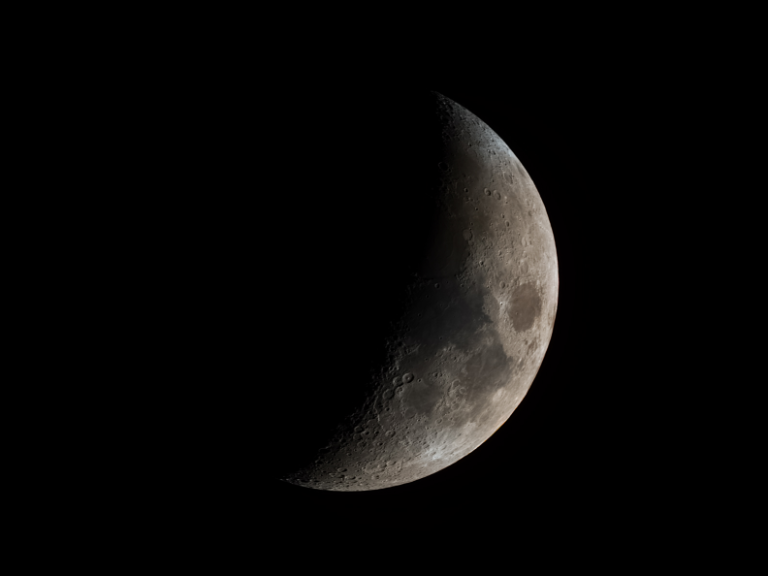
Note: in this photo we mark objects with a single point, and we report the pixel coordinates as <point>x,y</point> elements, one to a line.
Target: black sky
<point>206,265</point>
<point>585,439</point>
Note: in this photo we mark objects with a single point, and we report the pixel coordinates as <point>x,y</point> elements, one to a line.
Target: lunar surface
<point>450,325</point>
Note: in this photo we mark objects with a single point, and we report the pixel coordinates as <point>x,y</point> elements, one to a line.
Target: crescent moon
<point>478,318</point>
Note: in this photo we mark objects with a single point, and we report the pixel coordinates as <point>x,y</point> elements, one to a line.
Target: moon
<point>462,306</point>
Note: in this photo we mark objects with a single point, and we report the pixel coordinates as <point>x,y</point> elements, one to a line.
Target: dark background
<point>585,440</point>
<point>200,280</point>
<point>634,139</point>
<point>247,277</point>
